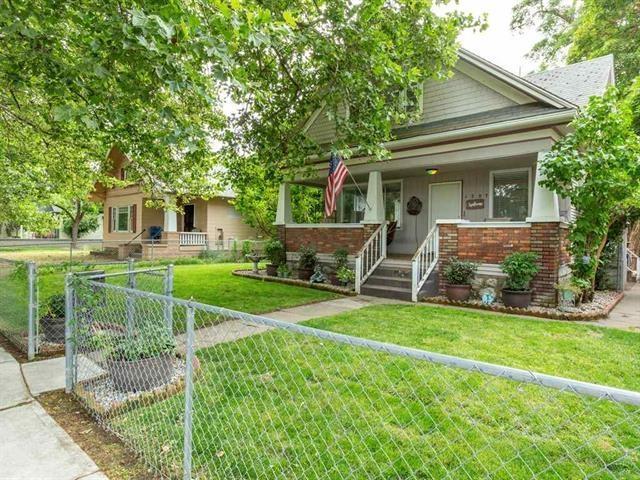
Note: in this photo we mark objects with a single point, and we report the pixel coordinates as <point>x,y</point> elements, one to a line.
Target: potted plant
<point>142,361</point>
<point>340,259</point>
<point>284,271</point>
<point>274,252</point>
<point>520,268</point>
<point>52,323</point>
<point>346,276</point>
<point>458,275</point>
<point>306,262</point>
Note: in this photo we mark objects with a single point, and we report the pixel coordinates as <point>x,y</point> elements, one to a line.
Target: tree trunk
<point>75,225</point>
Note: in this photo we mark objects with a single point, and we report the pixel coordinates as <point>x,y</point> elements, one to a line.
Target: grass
<point>281,405</point>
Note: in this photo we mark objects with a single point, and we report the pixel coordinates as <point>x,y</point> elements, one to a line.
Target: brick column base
<point>448,248</point>
<point>547,241</point>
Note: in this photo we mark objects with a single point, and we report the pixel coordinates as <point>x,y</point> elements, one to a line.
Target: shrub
<point>247,248</point>
<point>56,306</point>
<point>284,271</point>
<point>308,258</point>
<point>340,257</point>
<point>148,342</point>
<point>520,268</point>
<point>459,272</point>
<point>346,275</point>
<point>275,252</point>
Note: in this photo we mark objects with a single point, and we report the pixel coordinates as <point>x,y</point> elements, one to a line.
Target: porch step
<point>391,281</point>
<point>385,291</point>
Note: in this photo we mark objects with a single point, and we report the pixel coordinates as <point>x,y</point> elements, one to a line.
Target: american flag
<point>337,174</point>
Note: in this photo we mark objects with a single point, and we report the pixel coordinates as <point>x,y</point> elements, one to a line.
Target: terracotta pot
<point>53,329</point>
<point>272,270</point>
<point>141,375</point>
<point>458,293</point>
<point>517,298</point>
<point>305,273</point>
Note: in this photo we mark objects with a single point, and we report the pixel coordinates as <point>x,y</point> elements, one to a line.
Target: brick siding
<point>492,245</point>
<point>326,240</point>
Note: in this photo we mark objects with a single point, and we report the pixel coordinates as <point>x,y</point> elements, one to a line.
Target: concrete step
<point>391,271</point>
<point>385,291</point>
<point>391,281</point>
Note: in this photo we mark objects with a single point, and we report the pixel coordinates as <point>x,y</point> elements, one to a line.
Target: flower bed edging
<point>296,282</point>
<point>532,311</point>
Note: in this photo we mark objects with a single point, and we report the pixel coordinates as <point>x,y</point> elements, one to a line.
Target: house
<point>134,229</point>
<point>463,180</point>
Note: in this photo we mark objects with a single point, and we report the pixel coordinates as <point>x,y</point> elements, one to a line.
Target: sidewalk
<point>626,315</point>
<point>33,445</point>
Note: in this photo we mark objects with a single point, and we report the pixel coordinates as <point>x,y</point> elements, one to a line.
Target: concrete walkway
<point>626,315</point>
<point>32,445</point>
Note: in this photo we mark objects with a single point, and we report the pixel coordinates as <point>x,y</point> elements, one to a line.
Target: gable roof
<point>579,81</point>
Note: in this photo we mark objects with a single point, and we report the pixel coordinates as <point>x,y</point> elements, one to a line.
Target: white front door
<point>445,201</point>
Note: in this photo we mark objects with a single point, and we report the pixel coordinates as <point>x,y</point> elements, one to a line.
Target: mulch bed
<point>294,281</point>
<point>599,308</point>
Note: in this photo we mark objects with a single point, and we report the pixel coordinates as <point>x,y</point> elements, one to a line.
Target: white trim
<point>324,225</point>
<point>491,270</point>
<point>496,225</point>
<point>429,219</point>
<point>115,222</point>
<point>529,186</point>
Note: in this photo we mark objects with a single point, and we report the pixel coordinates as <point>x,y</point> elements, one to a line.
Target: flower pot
<point>53,329</point>
<point>517,298</point>
<point>458,293</point>
<point>272,270</point>
<point>305,273</point>
<point>141,375</point>
<point>333,278</point>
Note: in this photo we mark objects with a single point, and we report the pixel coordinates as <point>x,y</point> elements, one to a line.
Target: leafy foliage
<point>459,272</point>
<point>597,167</point>
<point>346,275</point>
<point>88,220</point>
<point>308,257</point>
<point>520,268</point>
<point>275,252</point>
<point>147,342</point>
<point>340,257</point>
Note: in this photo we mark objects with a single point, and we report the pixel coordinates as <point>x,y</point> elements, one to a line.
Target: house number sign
<point>475,204</point>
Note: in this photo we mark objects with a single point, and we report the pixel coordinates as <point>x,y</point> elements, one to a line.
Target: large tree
<point>580,30</point>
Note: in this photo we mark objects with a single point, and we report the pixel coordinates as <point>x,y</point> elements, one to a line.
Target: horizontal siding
<point>455,97</point>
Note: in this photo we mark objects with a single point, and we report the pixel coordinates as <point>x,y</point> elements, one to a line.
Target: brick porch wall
<point>326,240</point>
<point>492,244</point>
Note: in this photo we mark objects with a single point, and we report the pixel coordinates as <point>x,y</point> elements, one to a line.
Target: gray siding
<point>456,97</point>
<point>475,184</point>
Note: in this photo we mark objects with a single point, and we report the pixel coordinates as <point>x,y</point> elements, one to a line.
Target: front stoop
<point>392,279</point>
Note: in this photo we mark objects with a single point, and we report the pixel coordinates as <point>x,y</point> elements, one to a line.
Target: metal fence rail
<point>224,394</point>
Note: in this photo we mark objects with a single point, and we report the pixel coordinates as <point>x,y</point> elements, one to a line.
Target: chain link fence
<point>201,392</point>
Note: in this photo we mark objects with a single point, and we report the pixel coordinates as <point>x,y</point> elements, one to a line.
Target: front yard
<point>283,405</point>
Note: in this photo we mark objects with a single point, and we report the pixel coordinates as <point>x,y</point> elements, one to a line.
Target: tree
<point>80,219</point>
<point>576,31</point>
<point>597,167</point>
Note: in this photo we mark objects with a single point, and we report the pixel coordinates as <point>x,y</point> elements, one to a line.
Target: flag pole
<point>358,187</point>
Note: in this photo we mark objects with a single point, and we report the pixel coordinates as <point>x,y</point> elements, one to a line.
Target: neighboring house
<point>471,163</point>
<point>58,233</point>
<point>129,224</point>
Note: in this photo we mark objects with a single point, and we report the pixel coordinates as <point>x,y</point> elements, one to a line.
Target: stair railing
<point>424,262</point>
<point>371,255</point>
<point>633,264</point>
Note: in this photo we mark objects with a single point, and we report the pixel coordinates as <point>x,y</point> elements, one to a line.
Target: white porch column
<point>546,207</point>
<point>374,211</point>
<point>284,214</point>
<point>170,220</point>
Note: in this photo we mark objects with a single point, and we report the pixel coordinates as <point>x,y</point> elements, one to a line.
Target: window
<point>123,219</point>
<point>352,205</point>
<point>510,194</point>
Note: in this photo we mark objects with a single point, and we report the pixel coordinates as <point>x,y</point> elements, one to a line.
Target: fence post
<point>168,292</point>
<point>131,283</point>
<point>188,395</point>
<point>32,279</point>
<point>68,332</point>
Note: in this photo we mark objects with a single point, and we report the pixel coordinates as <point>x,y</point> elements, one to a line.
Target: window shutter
<point>133,218</point>
<point>110,219</point>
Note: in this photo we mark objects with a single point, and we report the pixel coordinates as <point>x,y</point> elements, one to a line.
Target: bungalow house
<point>133,229</point>
<point>462,181</point>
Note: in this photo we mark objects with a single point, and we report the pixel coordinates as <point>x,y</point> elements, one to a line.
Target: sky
<point>498,43</point>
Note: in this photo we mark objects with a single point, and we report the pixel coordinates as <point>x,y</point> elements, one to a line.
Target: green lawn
<point>281,405</point>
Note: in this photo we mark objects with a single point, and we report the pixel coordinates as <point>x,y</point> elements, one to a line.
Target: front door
<point>189,216</point>
<point>445,201</point>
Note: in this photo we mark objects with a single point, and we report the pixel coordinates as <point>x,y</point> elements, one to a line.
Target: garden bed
<point>602,304</point>
<point>294,281</point>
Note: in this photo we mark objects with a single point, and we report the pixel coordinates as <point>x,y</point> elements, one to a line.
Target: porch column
<point>284,214</point>
<point>546,207</point>
<point>170,220</point>
<point>374,211</point>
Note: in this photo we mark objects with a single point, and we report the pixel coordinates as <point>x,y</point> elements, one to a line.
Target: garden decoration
<point>256,258</point>
<point>318,275</point>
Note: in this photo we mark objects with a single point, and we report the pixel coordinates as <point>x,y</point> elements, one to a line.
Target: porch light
<point>432,171</point>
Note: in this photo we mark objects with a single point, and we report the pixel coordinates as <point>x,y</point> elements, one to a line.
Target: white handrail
<point>633,264</point>
<point>371,255</point>
<point>424,261</point>
<point>193,239</point>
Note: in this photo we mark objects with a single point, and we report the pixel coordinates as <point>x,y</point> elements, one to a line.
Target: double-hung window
<point>352,204</point>
<point>123,219</point>
<point>510,194</point>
